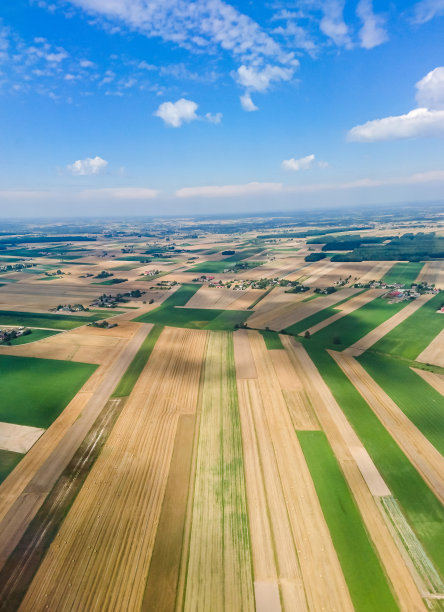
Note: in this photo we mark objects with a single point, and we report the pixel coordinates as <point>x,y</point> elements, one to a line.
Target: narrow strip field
<point>219,562</point>
<point>417,400</point>
<point>288,516</point>
<point>345,525</point>
<point>364,481</point>
<point>101,555</point>
<point>427,460</point>
<point>422,509</point>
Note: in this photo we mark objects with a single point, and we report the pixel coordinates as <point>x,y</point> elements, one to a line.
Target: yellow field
<point>219,564</point>
<point>108,535</point>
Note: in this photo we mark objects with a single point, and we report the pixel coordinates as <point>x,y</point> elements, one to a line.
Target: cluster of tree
<point>409,247</point>
<point>104,274</point>
<point>315,257</point>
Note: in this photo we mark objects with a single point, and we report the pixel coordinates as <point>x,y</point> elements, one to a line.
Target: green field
<point>192,318</point>
<point>403,272</point>
<point>36,334</point>
<point>35,391</point>
<point>421,508</point>
<point>272,340</point>
<point>352,327</point>
<point>8,461</point>
<point>131,375</point>
<point>412,336</point>
<point>353,547</point>
<point>216,267</point>
<point>51,320</point>
<point>418,400</point>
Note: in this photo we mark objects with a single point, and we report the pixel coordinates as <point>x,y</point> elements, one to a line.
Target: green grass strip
<point>8,461</point>
<point>272,339</point>
<point>354,549</point>
<point>317,317</point>
<point>356,325</point>
<point>404,272</point>
<point>193,318</point>
<point>261,297</point>
<point>421,508</point>
<point>50,320</point>
<point>129,379</point>
<point>36,334</point>
<point>420,402</point>
<point>412,336</point>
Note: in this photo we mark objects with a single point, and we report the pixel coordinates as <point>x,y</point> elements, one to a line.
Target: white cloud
<point>247,103</point>
<point>304,163</point>
<point>176,113</point>
<point>333,24</point>
<point>120,193</point>
<point>427,121</point>
<point>216,118</point>
<point>373,32</point>
<point>260,79</point>
<point>428,9</point>
<point>417,123</point>
<point>430,89</point>
<point>216,191</point>
<point>90,165</point>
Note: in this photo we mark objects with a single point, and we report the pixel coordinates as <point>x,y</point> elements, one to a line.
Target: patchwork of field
<point>205,452</point>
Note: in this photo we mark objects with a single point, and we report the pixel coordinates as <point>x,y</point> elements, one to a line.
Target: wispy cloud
<point>217,191</point>
<point>373,31</point>
<point>428,9</point>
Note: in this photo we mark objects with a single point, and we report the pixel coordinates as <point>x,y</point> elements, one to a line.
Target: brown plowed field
<point>433,273</point>
<point>100,558</point>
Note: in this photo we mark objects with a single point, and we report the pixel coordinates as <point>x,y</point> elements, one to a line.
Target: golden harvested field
<point>108,535</point>
<point>289,518</point>
<point>276,303</point>
<point>211,297</point>
<point>219,565</point>
<point>434,352</point>
<point>434,380</point>
<point>433,272</point>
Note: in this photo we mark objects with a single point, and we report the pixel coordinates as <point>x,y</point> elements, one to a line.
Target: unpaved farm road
<point>25,507</point>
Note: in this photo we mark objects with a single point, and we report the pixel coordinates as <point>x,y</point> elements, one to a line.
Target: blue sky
<point>181,106</point>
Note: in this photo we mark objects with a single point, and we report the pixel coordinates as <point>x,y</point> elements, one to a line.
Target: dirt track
<point>23,492</point>
<point>108,535</point>
<point>379,332</point>
<point>424,456</point>
<point>434,380</point>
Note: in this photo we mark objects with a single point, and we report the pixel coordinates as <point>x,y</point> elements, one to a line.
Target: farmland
<point>184,444</point>
<point>35,391</point>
